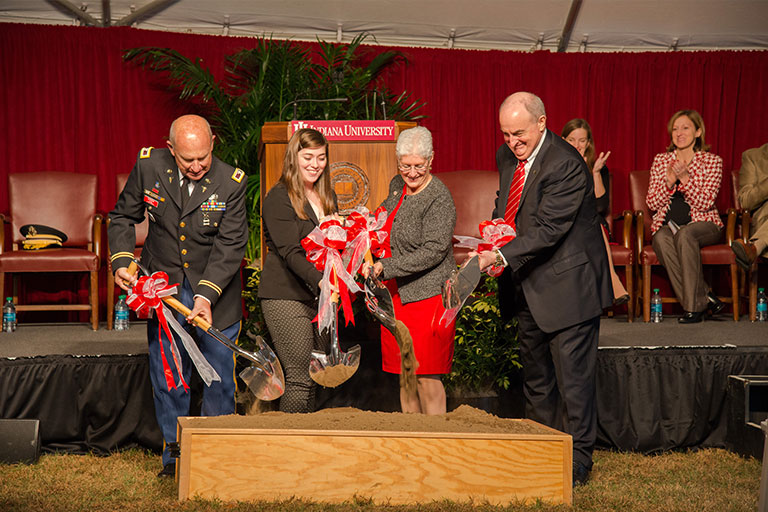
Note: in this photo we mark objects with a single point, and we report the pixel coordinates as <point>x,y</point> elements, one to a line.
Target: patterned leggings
<point>294,337</point>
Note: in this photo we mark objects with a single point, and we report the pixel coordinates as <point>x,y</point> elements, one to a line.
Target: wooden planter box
<point>334,466</point>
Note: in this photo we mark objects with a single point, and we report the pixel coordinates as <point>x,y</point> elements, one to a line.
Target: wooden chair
<point>623,254</point>
<point>141,235</point>
<point>719,254</point>
<point>65,201</point>
<point>746,221</point>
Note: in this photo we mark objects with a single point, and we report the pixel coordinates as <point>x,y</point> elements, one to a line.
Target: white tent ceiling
<point>588,25</point>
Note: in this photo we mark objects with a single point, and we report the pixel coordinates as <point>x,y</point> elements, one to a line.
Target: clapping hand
<point>600,161</point>
<point>681,171</point>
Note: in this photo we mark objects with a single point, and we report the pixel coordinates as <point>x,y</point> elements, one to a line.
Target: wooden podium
<point>361,165</point>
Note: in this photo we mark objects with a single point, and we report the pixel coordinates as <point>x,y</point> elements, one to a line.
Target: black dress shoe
<point>692,317</point>
<point>714,305</point>
<point>169,470</point>
<point>746,253</point>
<point>621,300</point>
<point>580,474</point>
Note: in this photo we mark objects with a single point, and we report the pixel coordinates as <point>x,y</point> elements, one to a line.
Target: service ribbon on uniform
<point>495,234</point>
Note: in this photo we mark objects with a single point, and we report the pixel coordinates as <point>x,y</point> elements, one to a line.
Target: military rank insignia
<point>238,175</point>
<point>145,152</point>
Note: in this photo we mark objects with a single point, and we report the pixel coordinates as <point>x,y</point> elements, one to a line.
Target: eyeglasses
<point>408,168</point>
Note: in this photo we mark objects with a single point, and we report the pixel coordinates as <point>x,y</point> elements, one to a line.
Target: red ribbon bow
<point>495,234</point>
<point>364,233</point>
<point>146,297</point>
<point>319,244</point>
<point>322,247</point>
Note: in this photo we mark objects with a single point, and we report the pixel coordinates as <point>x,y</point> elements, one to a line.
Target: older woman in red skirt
<point>421,220</point>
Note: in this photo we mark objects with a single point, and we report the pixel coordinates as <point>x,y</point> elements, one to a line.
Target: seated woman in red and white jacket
<point>684,183</point>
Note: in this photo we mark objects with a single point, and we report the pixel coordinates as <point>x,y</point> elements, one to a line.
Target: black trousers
<point>559,377</point>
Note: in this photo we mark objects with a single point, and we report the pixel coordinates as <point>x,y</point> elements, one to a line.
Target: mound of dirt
<point>464,419</point>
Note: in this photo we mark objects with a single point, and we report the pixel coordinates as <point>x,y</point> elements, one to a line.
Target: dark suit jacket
<point>558,256</point>
<point>287,274</point>
<point>205,242</point>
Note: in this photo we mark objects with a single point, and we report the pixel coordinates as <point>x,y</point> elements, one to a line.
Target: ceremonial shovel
<point>336,367</point>
<point>457,289</point>
<point>264,378</point>
<point>379,303</point>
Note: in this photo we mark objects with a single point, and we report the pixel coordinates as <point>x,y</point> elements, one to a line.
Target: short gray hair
<point>414,141</point>
<point>530,101</point>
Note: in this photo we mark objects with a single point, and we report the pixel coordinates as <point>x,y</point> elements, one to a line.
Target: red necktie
<point>515,191</point>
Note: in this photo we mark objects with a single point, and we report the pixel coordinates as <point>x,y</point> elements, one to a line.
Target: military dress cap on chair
<point>37,236</point>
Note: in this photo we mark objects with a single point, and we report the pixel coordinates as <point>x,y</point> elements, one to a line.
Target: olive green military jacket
<point>205,242</point>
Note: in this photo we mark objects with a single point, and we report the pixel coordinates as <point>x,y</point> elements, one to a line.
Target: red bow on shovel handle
<point>264,377</point>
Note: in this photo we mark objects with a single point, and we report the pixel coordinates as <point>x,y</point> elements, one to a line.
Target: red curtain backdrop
<point>69,102</point>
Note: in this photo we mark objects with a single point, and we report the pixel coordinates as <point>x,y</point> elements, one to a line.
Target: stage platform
<point>89,389</point>
<point>660,386</point>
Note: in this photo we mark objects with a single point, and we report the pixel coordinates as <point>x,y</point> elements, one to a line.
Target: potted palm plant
<point>258,84</point>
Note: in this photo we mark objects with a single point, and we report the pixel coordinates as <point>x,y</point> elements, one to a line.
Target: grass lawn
<point>704,480</point>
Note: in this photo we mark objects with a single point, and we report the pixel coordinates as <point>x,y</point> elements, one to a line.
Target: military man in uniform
<point>197,235</point>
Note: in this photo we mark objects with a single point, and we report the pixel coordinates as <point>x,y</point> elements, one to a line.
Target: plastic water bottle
<point>121,314</point>
<point>9,315</point>
<point>656,316</point>
<point>762,306</point>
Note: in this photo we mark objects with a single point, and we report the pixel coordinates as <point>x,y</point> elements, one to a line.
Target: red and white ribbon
<point>495,234</point>
<point>147,297</point>
<point>323,246</point>
<point>364,232</point>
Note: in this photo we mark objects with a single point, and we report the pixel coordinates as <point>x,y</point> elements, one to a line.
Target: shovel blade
<point>379,302</point>
<point>264,386</point>
<point>265,379</point>
<point>330,374</point>
<point>457,289</point>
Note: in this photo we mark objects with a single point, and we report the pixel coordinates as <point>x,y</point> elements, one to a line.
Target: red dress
<point>432,342</point>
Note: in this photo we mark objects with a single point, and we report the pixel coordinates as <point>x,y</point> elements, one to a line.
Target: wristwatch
<point>499,259</point>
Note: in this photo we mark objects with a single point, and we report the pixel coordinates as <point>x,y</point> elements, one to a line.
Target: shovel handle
<point>335,281</point>
<point>175,304</point>
<point>184,310</point>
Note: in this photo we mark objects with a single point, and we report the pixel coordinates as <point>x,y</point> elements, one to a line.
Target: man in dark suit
<point>197,235</point>
<point>556,278</point>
